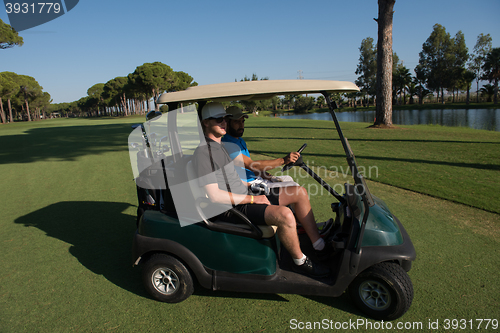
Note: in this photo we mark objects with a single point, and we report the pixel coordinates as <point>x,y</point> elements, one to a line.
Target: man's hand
<point>261,199</point>
<point>291,158</point>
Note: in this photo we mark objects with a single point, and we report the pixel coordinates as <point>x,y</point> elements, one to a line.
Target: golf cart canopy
<point>255,90</point>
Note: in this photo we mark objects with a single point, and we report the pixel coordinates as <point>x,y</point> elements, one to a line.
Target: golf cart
<point>177,241</point>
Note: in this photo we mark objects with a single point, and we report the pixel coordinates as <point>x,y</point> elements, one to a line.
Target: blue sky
<point>220,41</point>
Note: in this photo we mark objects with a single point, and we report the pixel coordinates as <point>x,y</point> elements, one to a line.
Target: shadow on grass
<point>101,239</point>
<point>100,236</point>
<point>65,143</point>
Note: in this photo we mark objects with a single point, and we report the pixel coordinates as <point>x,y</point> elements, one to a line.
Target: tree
<point>367,67</point>
<point>401,79</point>
<point>303,104</point>
<point>458,59</point>
<point>4,84</point>
<point>488,91</point>
<point>9,89</point>
<point>8,36</point>
<point>384,63</point>
<point>466,81</point>
<point>114,91</point>
<point>412,90</point>
<point>41,103</point>
<point>155,78</point>
<point>434,60</point>
<point>30,89</point>
<point>320,101</point>
<point>491,70</point>
<point>95,94</point>
<point>183,81</point>
<point>481,49</point>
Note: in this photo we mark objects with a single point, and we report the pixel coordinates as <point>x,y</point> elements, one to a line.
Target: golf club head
<point>152,115</point>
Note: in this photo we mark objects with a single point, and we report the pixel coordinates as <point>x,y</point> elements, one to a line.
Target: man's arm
<point>216,195</point>
<point>260,167</point>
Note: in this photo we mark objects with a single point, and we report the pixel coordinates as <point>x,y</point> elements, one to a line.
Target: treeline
<point>445,64</point>
<point>126,95</point>
<point>21,98</point>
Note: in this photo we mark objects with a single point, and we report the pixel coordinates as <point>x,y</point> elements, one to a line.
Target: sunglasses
<point>219,120</point>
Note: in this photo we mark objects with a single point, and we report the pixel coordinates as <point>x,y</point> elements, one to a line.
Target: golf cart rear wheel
<point>383,291</point>
<point>167,279</point>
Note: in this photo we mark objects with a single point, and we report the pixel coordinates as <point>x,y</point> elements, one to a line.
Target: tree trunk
<point>10,111</point>
<point>384,63</point>
<point>495,96</point>
<point>28,110</point>
<point>2,112</point>
<point>477,90</point>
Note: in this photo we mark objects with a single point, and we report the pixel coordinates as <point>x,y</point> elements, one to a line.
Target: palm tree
<point>488,91</point>
<point>402,78</point>
<point>491,68</point>
<point>466,81</point>
<point>412,89</point>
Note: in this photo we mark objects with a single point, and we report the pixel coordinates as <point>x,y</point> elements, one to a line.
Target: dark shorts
<point>254,212</point>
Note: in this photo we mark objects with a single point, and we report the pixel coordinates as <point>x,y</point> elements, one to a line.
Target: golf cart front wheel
<point>167,279</point>
<point>383,291</point>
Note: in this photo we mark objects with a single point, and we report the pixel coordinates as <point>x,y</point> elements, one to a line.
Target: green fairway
<point>68,218</point>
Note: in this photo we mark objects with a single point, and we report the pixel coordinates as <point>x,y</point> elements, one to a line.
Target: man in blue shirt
<point>296,195</point>
<point>253,170</point>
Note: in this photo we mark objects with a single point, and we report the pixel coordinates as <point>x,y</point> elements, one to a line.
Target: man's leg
<point>298,198</point>
<point>283,218</point>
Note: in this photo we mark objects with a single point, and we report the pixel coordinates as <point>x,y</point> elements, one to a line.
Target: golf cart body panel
<point>218,251</point>
<point>240,256</point>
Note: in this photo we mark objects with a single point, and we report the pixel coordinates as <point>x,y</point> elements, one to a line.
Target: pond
<point>487,119</point>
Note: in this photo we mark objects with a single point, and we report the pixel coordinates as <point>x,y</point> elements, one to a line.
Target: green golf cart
<point>177,243</point>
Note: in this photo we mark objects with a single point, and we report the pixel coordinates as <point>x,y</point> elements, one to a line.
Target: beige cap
<point>235,112</point>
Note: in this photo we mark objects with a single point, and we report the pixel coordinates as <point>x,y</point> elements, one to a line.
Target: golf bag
<point>152,187</point>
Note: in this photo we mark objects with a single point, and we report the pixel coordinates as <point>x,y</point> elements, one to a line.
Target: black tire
<point>167,279</point>
<point>383,291</point>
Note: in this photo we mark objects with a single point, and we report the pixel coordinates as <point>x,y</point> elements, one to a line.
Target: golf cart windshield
<point>159,146</point>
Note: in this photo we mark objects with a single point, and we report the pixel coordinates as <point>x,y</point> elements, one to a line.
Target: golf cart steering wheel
<point>297,162</point>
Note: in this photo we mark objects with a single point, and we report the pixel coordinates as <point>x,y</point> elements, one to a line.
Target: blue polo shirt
<point>239,147</point>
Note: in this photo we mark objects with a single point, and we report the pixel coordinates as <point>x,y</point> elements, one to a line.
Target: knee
<point>302,192</point>
<point>287,217</point>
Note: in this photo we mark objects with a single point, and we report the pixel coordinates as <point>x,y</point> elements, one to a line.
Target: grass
<point>68,206</point>
<point>457,164</point>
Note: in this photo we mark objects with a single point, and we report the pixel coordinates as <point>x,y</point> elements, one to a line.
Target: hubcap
<point>375,295</point>
<point>165,281</point>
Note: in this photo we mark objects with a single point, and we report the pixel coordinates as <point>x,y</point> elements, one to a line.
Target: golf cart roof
<point>255,90</point>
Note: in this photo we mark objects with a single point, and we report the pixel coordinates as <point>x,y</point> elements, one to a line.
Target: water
<point>487,119</point>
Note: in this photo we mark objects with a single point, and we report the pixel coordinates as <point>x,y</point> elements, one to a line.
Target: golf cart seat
<point>245,227</point>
